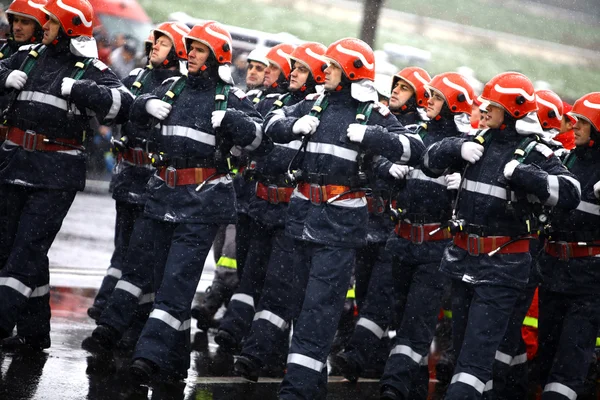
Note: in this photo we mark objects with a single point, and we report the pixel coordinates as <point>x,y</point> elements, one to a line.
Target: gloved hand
<point>597,190</point>
<point>399,171</point>
<point>356,132</point>
<point>67,86</point>
<point>119,145</point>
<point>509,168</point>
<point>158,108</point>
<point>452,181</point>
<point>306,125</point>
<point>471,152</point>
<point>16,80</point>
<point>217,118</point>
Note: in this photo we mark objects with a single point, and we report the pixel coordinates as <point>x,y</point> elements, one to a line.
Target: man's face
<point>160,50</point>
<point>197,55</point>
<point>494,117</point>
<point>51,29</point>
<point>272,73</point>
<point>298,76</point>
<point>255,74</point>
<point>482,119</point>
<point>23,28</point>
<point>582,130</point>
<point>565,124</point>
<point>434,104</point>
<point>401,93</point>
<point>333,77</point>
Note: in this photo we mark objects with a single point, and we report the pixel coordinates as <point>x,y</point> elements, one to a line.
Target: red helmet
<point>280,56</point>
<point>176,32</point>
<point>417,78</point>
<point>550,109</point>
<point>588,108</point>
<point>456,90</point>
<point>216,37</point>
<point>355,57</point>
<point>28,9</point>
<point>512,91</point>
<point>311,55</point>
<point>75,16</point>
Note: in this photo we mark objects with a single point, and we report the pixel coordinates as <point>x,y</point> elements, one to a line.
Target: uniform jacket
<point>128,183</point>
<point>577,275</point>
<point>41,107</point>
<point>187,133</point>
<point>540,178</point>
<point>330,155</point>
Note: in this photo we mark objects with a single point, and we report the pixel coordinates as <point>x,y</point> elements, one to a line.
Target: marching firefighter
<point>269,172</point>
<point>43,161</point>
<point>255,74</point>
<point>327,215</point>
<point>271,254</point>
<point>419,237</point>
<point>134,169</point>
<point>408,98</point>
<point>489,261</point>
<point>568,296</point>
<point>203,117</point>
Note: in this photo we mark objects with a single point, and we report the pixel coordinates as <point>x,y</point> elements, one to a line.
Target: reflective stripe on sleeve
<point>553,188</point>
<point>406,152</point>
<point>116,103</point>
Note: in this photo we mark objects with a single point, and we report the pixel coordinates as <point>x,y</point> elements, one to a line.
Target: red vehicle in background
<point>121,16</point>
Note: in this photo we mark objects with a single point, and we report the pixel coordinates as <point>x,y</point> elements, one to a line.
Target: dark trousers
<point>127,214</point>
<point>243,233</point>
<point>568,326</point>
<point>32,220</point>
<point>325,272</point>
<point>480,316</point>
<point>182,249</point>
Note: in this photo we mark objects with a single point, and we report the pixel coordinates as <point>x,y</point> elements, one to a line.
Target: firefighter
<point>327,215</point>
<point>255,75</point>
<point>43,157</point>
<point>409,95</point>
<point>568,297</point>
<point>489,260</point>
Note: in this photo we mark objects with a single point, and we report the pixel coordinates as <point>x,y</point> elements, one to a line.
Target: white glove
<point>67,86</point>
<point>158,108</point>
<point>452,181</point>
<point>509,168</point>
<point>236,151</point>
<point>597,190</point>
<point>399,171</point>
<point>356,132</point>
<point>471,152</point>
<point>306,125</point>
<point>16,80</point>
<point>217,118</point>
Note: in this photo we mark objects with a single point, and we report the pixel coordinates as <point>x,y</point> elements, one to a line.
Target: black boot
<point>389,393</point>
<point>247,368</point>
<point>103,340</point>
<point>141,371</point>
<point>226,342</point>
<point>346,366</point>
<point>25,343</point>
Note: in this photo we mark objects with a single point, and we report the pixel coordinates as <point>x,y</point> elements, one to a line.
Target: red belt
<point>320,194</point>
<point>566,250</point>
<point>477,245</point>
<point>32,141</point>
<point>419,233</point>
<point>274,194</point>
<point>187,176</point>
<point>135,156</point>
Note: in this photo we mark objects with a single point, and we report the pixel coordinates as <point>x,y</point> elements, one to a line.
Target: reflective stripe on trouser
<point>148,248</point>
<point>325,272</point>
<point>240,311</point>
<point>480,315</point>
<point>34,220</point>
<point>165,339</point>
<point>127,214</point>
<point>279,303</point>
<point>564,391</point>
<point>413,338</point>
<point>569,324</point>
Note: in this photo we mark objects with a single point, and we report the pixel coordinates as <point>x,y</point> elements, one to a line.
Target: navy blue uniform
<point>479,278</point>
<point>41,185</point>
<point>327,235</point>
<point>569,307</point>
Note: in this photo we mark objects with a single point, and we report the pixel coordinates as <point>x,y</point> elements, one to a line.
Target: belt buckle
<point>315,194</point>
<point>138,156</point>
<point>171,177</point>
<point>272,194</point>
<point>563,250</point>
<point>473,245</point>
<point>30,140</point>
<point>417,233</point>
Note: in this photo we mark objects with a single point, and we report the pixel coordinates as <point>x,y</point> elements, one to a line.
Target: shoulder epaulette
<point>27,47</point>
<point>312,96</point>
<point>545,150</point>
<point>135,71</point>
<point>171,79</point>
<point>382,109</point>
<point>238,92</point>
<point>100,65</point>
<point>273,95</point>
<point>254,92</point>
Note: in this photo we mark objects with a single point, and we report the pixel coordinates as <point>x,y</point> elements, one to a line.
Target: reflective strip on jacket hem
<point>187,132</point>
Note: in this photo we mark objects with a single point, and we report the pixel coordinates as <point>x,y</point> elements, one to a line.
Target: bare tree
<point>371,12</point>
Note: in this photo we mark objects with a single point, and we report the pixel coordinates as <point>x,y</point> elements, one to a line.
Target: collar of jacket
<point>506,135</point>
<point>202,81</point>
<point>159,75</point>
<point>443,126</point>
<point>340,97</point>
